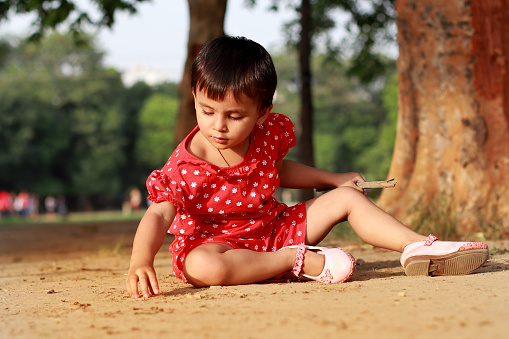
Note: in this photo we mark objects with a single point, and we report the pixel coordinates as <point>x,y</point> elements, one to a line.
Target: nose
<point>220,123</point>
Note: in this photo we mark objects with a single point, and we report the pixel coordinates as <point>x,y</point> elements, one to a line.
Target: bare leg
<point>371,223</point>
<point>219,264</point>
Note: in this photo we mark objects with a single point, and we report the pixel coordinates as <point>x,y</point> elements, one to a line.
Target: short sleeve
<point>284,131</point>
<point>161,188</point>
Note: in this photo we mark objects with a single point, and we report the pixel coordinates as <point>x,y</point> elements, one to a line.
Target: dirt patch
<point>69,282</point>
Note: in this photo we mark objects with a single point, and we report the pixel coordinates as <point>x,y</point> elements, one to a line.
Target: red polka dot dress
<point>230,205</point>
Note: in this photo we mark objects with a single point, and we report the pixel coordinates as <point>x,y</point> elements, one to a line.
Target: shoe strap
<point>299,259</point>
<point>430,240</point>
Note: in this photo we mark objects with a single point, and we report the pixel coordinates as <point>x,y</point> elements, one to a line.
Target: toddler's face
<point>228,123</point>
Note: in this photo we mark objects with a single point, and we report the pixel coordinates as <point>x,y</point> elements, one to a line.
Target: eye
<point>207,113</point>
<point>236,117</point>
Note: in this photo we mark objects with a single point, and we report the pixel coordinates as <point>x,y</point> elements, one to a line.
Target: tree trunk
<point>306,115</point>
<point>206,23</point>
<point>451,156</point>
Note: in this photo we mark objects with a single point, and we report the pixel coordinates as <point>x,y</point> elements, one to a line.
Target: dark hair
<point>235,64</point>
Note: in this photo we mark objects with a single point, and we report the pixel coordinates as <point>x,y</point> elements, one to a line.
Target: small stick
<point>378,184</point>
<point>369,184</point>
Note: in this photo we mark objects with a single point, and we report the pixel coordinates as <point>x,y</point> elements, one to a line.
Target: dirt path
<point>68,282</point>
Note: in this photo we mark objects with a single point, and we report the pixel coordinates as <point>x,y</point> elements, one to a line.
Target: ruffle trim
<point>159,194</point>
<point>299,260</point>
<point>243,169</point>
<point>430,240</point>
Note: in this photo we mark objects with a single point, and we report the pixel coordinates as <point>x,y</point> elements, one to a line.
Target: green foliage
<point>157,123</point>
<point>5,50</point>
<point>354,123</point>
<point>437,217</point>
<point>69,126</point>
<point>60,122</point>
<point>131,103</point>
<point>51,14</point>
<point>377,158</point>
<point>440,217</point>
<point>370,27</point>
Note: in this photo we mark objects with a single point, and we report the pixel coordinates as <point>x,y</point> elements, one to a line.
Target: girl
<point>215,194</point>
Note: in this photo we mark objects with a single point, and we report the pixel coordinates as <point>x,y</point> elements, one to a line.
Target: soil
<point>68,281</point>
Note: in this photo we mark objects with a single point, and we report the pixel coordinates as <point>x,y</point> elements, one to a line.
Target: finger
<point>128,287</point>
<point>144,286</point>
<point>154,284</point>
<point>358,178</point>
<point>132,286</point>
<point>354,185</point>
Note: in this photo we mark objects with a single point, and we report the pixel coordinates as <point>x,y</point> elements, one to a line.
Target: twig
<point>369,184</point>
<point>378,184</point>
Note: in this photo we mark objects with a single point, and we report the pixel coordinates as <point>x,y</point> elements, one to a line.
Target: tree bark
<point>452,143</point>
<point>206,23</point>
<point>306,115</point>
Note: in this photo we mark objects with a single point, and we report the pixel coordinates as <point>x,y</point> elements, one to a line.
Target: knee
<point>350,196</point>
<point>203,269</point>
<point>348,193</point>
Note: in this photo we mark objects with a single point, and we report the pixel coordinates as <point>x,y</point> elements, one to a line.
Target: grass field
<point>76,217</point>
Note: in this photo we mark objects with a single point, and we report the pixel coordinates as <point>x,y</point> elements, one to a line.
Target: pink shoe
<point>432,257</point>
<point>339,264</point>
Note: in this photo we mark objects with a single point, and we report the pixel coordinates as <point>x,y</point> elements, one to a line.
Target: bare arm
<point>296,175</point>
<point>147,242</point>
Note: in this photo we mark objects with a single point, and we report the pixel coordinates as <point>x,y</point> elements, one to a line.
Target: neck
<point>233,156</point>
<point>226,161</point>
<point>200,147</point>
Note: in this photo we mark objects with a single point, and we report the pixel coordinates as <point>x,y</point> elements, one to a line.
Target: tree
<point>354,124</point>
<point>54,14</point>
<point>451,155</point>
<point>207,20</point>
<point>131,103</point>
<point>315,21</point>
<point>306,96</point>
<point>206,23</point>
<point>376,158</point>
<point>156,125</point>
<point>59,127</point>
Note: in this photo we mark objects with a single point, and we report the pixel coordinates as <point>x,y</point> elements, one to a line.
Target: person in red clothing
<point>5,204</point>
<point>215,194</point>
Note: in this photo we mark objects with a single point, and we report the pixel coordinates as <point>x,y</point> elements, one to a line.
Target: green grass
<point>344,232</point>
<point>440,217</point>
<point>73,218</point>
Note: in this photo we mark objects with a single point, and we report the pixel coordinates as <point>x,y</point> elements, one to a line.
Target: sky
<point>153,43</point>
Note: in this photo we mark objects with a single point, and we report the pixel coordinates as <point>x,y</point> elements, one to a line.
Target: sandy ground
<point>68,282</point>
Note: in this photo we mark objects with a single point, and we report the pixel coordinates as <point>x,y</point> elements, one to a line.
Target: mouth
<point>220,140</point>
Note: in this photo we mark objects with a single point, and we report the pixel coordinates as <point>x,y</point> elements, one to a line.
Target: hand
<point>146,275</point>
<point>351,179</point>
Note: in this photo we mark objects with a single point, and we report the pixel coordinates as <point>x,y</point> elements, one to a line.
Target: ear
<point>264,113</point>
<point>195,104</point>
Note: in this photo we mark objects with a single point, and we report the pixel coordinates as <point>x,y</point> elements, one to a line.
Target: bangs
<point>216,85</point>
<point>235,65</point>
